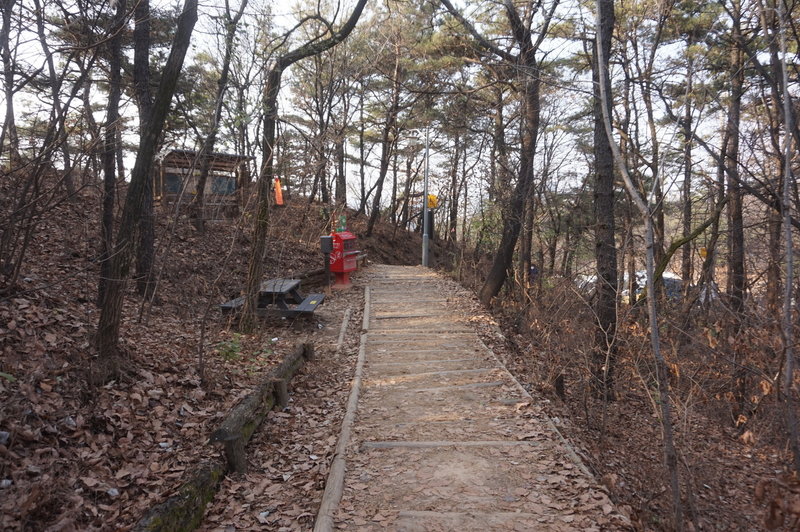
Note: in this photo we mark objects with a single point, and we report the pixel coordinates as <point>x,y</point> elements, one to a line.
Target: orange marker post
<point>278,192</point>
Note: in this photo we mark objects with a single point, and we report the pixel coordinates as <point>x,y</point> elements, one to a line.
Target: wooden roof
<point>219,161</point>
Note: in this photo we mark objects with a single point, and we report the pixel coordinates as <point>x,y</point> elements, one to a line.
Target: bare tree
<point>231,23</point>
<point>107,337</point>
<point>270,105</point>
<point>528,87</point>
<point>788,314</point>
<point>9,132</point>
<point>389,136</point>
<point>54,81</point>
<point>145,251</point>
<point>605,251</point>
<point>605,12</point>
<point>737,279</point>
<point>31,183</point>
<point>110,147</point>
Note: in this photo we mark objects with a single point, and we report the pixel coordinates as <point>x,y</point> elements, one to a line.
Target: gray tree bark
<point>107,337</point>
<point>605,10</point>
<point>255,268</point>
<point>605,349</point>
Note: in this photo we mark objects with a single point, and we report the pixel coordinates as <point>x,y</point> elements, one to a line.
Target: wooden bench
<point>307,306</point>
<point>232,306</point>
<point>280,297</point>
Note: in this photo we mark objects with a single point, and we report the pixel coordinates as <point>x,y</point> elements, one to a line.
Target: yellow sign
<point>703,252</point>
<point>433,201</point>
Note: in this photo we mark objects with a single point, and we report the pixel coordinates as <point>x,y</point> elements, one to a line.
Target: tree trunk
<point>731,157</point>
<point>247,321</point>
<point>145,251</point>
<point>659,236</point>
<point>686,256</point>
<point>107,338</point>
<point>529,89</point>
<point>320,172</point>
<point>110,150</point>
<point>91,123</point>
<point>774,213</point>
<point>525,246</point>
<point>410,178</point>
<point>242,142</point>
<point>120,153</point>
<point>605,11</point>
<point>774,217</point>
<point>499,177</point>
<point>789,378</point>
<point>255,268</point>
<point>393,203</point>
<point>388,140</point>
<point>57,114</point>
<point>9,124</point>
<point>341,178</point>
<point>707,269</point>
<point>512,223</point>
<point>774,265</point>
<point>452,219</point>
<point>604,354</point>
<point>361,152</point>
<point>630,253</point>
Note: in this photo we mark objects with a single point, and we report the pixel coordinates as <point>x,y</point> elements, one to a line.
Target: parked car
<point>673,285</point>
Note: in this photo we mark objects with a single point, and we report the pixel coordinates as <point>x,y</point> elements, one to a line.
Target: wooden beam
<point>241,422</point>
<point>184,511</point>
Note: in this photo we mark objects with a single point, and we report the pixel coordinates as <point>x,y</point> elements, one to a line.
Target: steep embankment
<point>72,455</point>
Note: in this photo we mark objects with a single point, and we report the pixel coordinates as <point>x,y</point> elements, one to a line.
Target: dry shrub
<point>728,420</point>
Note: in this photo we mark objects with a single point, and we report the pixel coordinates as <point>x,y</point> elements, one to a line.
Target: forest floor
<point>732,479</point>
<point>77,457</point>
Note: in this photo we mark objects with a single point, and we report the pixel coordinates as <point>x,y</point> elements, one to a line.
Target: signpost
<point>326,245</point>
<point>425,222</point>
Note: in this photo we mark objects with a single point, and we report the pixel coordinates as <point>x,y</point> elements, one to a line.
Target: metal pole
<point>327,271</point>
<point>425,228</point>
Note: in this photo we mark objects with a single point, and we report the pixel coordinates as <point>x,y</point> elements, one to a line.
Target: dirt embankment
<point>733,467</point>
<point>73,456</point>
<point>79,457</point>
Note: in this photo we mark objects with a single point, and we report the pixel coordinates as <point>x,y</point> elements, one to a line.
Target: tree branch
<point>478,37</point>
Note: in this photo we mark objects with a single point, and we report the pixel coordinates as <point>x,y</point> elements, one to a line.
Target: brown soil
<point>79,457</point>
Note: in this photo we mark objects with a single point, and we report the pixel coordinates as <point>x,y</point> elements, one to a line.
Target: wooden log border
<point>334,487</point>
<point>312,277</point>
<point>343,329</point>
<point>184,511</point>
<point>316,276</point>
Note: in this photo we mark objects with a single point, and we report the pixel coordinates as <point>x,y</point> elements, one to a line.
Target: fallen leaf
<point>90,482</point>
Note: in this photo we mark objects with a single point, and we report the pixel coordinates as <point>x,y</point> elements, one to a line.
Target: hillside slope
<point>82,457</point>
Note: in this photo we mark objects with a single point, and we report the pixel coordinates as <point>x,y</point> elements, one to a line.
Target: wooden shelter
<point>175,180</point>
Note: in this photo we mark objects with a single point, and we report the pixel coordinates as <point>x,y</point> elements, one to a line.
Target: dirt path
<point>445,438</point>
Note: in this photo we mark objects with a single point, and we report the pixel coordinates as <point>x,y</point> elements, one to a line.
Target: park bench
<point>281,297</point>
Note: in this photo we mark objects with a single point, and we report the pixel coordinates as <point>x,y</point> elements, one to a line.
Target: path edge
<point>334,486</point>
<point>343,329</point>
<point>573,455</point>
